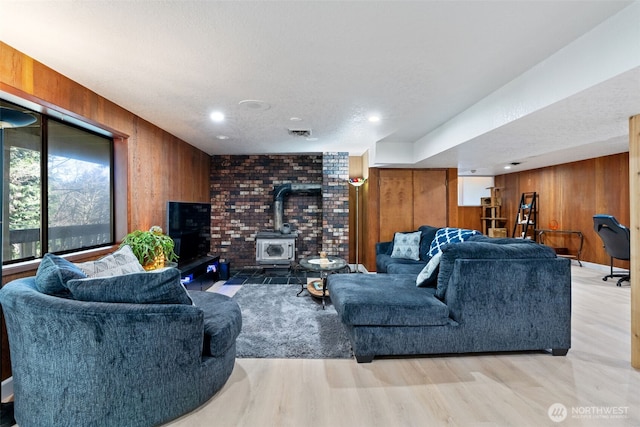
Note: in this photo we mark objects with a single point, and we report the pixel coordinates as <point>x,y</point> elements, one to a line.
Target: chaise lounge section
<point>491,295</point>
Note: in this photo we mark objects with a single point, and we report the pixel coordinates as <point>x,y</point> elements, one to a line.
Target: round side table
<point>324,266</point>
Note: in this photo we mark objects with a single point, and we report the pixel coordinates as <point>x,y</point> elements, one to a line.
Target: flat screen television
<point>189,225</point>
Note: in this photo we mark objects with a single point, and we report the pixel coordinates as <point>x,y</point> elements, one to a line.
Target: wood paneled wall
<point>151,165</point>
<point>570,194</point>
<point>469,217</point>
<point>397,200</point>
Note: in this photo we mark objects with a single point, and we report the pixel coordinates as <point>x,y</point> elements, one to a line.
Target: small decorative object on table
<point>153,248</point>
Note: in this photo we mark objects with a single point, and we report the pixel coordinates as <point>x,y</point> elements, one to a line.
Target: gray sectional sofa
<point>491,295</point>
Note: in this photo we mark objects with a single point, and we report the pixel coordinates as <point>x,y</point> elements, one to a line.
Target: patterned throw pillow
<point>429,274</point>
<point>406,245</point>
<point>122,261</point>
<point>449,235</point>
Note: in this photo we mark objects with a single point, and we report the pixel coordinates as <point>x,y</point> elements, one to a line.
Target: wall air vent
<point>305,133</point>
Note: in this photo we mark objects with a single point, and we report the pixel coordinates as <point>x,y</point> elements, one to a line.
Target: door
<point>410,198</point>
<point>396,202</point>
<point>429,198</point>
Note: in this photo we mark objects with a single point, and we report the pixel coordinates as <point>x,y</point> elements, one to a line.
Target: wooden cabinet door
<point>396,201</point>
<point>429,198</point>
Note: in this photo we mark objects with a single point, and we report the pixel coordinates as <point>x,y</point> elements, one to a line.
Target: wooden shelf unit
<point>493,223</point>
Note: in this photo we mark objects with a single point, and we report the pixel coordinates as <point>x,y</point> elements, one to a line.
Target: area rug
<point>278,324</point>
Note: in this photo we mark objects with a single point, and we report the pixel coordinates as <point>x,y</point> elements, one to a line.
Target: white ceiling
<point>418,64</point>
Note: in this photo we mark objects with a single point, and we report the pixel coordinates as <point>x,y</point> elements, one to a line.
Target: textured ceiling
<point>331,64</point>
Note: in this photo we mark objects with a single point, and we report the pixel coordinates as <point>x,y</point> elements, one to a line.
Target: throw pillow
<point>449,235</point>
<point>122,261</point>
<point>406,245</point>
<point>53,274</point>
<point>155,287</point>
<point>428,233</point>
<point>429,274</point>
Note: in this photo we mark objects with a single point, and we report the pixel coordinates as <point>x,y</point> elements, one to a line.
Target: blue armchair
<point>85,363</point>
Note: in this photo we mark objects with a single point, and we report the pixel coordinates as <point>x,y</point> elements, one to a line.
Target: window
<point>57,189</point>
<point>472,188</point>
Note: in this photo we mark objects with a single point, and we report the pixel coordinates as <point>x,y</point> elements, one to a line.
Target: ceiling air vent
<point>306,133</point>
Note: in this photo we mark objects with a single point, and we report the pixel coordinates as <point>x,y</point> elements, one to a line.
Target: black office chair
<point>617,242</point>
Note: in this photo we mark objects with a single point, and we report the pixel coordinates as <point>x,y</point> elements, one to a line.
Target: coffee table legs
<point>324,289</point>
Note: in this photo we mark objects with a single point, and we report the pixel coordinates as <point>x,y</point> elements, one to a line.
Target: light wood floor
<point>594,379</point>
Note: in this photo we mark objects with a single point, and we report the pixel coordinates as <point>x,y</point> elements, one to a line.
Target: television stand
<point>195,272</point>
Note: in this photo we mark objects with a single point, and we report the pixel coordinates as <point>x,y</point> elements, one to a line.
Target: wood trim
<point>370,218</point>
<point>453,211</point>
<point>634,185</point>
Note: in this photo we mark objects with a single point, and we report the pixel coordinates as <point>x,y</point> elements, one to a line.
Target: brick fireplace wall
<point>242,203</point>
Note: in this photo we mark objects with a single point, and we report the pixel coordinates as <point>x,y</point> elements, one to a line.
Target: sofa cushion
<point>406,245</point>
<point>389,300</point>
<point>122,261</point>
<point>154,287</point>
<point>53,274</point>
<point>449,235</point>
<point>384,262</point>
<point>414,267</point>
<point>428,234</point>
<point>486,250</point>
<point>497,240</point>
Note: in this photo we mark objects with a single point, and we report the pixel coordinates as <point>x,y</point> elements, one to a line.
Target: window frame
<point>44,182</point>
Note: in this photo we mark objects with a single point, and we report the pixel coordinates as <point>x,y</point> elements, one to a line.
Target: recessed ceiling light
<point>507,167</point>
<point>222,137</point>
<point>217,116</point>
<point>374,119</point>
<point>295,119</point>
<point>254,105</point>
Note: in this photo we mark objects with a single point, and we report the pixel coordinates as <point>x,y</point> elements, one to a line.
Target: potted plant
<point>152,248</point>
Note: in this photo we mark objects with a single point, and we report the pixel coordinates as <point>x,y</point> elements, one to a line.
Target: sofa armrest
<point>384,248</point>
<point>222,321</point>
<point>528,297</point>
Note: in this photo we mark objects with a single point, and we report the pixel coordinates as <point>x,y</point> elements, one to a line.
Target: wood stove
<point>275,248</point>
<point>278,247</point>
